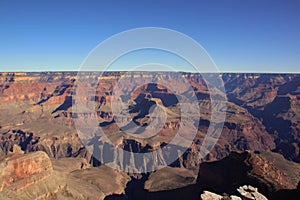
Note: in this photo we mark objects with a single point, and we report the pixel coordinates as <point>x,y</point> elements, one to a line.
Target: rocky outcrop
<point>246,192</point>
<point>21,170</point>
<point>210,196</point>
<point>27,176</point>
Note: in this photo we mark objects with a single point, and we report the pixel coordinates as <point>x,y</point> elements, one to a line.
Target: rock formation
<point>246,192</point>
<point>20,173</point>
<point>249,192</point>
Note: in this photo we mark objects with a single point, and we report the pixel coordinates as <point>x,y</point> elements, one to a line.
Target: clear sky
<point>240,35</point>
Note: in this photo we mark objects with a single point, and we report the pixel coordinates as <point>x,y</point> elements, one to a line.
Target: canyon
<point>44,156</point>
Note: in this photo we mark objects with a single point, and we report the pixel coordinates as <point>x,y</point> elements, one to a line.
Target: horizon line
<point>195,72</point>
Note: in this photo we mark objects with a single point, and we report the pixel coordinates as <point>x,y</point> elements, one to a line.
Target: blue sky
<point>240,35</point>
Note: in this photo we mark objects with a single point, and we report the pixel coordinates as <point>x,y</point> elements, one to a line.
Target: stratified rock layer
<point>19,171</point>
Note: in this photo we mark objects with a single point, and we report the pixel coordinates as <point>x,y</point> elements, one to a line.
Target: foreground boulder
<point>246,192</point>
<point>249,192</point>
